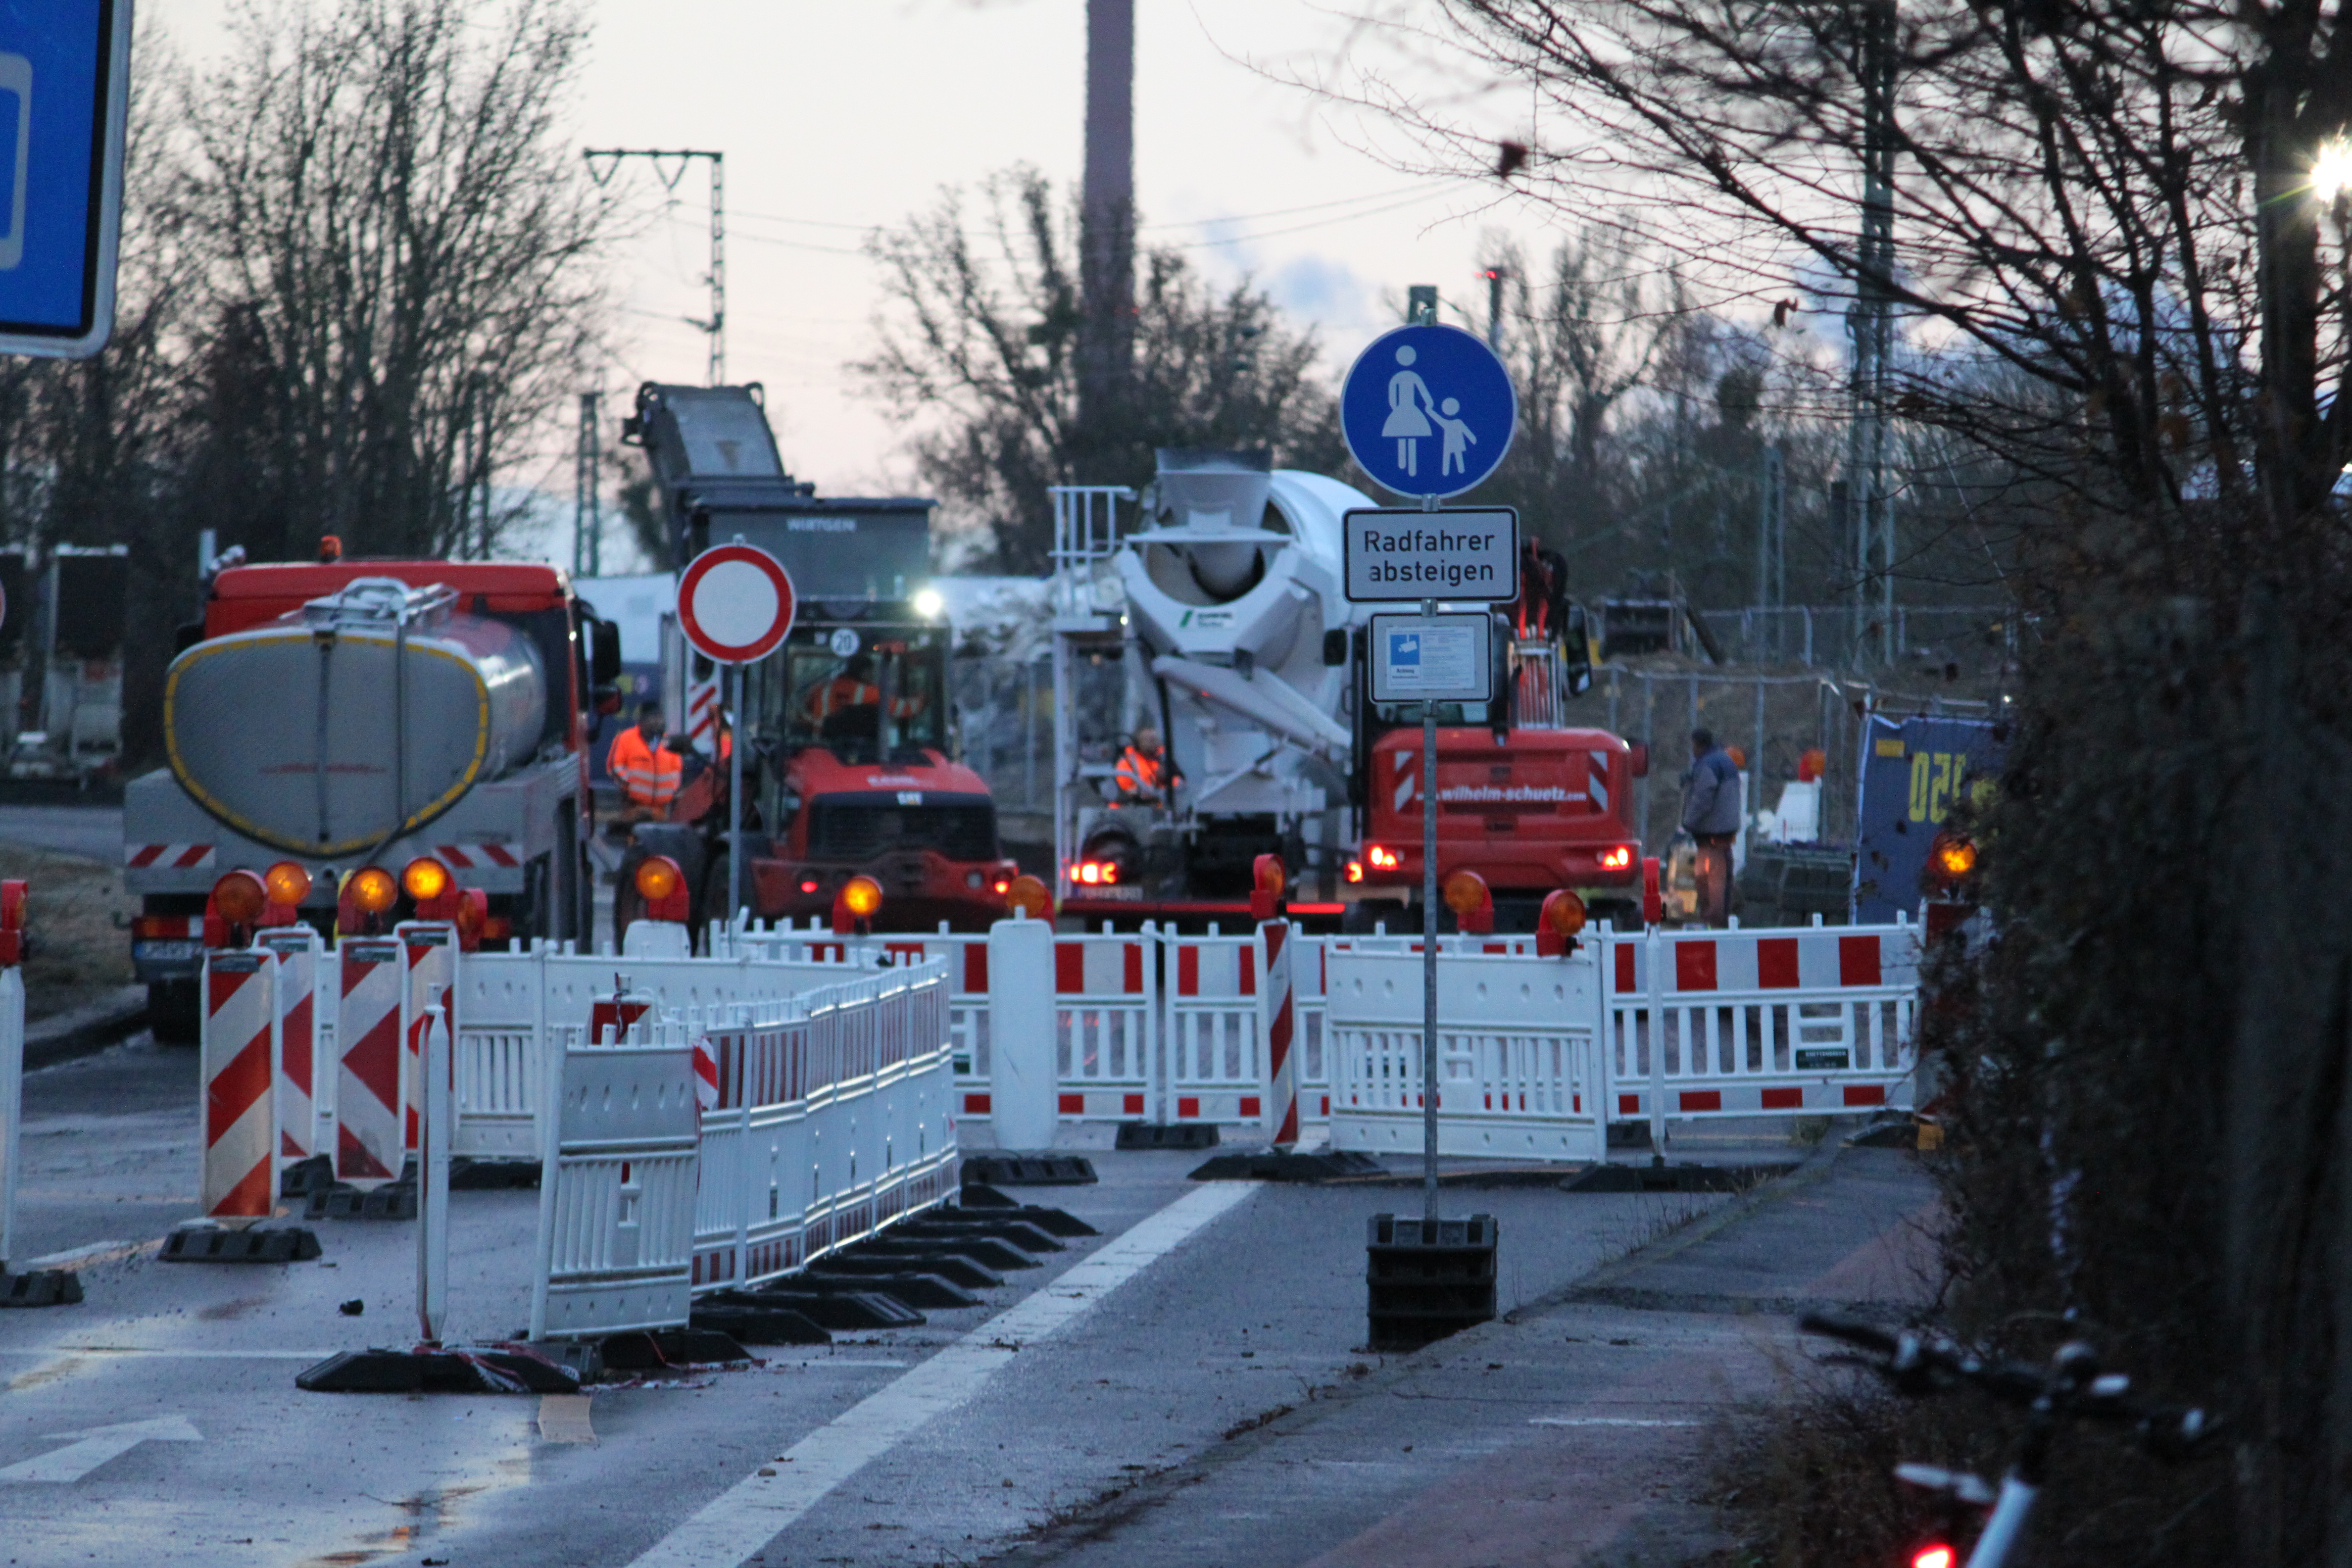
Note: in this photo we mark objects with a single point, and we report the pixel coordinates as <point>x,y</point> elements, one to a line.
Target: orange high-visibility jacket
<point>648,775</point>
<point>1138,776</point>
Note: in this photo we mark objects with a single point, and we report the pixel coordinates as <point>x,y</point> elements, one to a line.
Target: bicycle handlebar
<point>1917,1364</point>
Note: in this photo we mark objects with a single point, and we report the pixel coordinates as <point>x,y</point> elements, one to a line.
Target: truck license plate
<point>166,952</point>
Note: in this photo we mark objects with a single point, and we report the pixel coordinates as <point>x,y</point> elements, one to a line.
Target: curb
<point>86,1030</point>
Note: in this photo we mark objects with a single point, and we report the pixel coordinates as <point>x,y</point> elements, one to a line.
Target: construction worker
<point>1143,768</point>
<point>854,688</point>
<point>1711,813</point>
<point>646,771</point>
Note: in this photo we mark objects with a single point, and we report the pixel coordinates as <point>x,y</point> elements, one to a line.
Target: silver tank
<point>363,716</point>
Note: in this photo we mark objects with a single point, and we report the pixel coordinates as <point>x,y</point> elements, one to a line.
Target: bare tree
<point>397,243</point>
<point>980,354</point>
<point>2120,290</point>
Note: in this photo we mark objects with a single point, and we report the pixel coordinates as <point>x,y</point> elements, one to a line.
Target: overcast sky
<point>839,115</point>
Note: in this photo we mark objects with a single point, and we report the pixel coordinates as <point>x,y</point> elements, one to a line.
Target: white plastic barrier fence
<point>1106,1013</point>
<point>508,1002</point>
<point>11,1103</point>
<point>831,1118</point>
<point>1753,1022</point>
<point>616,1192</point>
<point>1519,1067</point>
<point>1217,1068</point>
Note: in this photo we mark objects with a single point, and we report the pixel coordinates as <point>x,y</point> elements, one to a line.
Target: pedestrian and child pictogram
<point>1428,410</point>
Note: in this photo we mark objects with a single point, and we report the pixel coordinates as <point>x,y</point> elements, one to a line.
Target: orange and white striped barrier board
<point>240,1121</point>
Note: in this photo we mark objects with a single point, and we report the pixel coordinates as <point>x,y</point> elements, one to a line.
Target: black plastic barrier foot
<point>200,1245</point>
<point>753,1321</point>
<point>652,1352</point>
<point>490,1369</point>
<point>1152,1135</point>
<point>1053,1221</point>
<point>916,1291</point>
<point>842,1310</point>
<point>874,1258</point>
<point>492,1176</point>
<point>1029,1169</point>
<point>995,1243</point>
<point>41,1288</point>
<point>1276,1165</point>
<point>303,1177</point>
<point>1427,1279</point>
<point>392,1201</point>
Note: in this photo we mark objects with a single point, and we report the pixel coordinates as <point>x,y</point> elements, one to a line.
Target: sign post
<point>64,99</point>
<point>735,605</point>
<point>1428,412</point>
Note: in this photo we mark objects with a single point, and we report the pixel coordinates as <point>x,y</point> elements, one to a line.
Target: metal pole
<point>1429,943</point>
<point>735,805</point>
<point>719,278</point>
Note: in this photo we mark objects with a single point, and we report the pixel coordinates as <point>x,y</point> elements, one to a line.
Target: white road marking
<point>64,1466</point>
<point>744,1519</point>
<point>1603,1421</point>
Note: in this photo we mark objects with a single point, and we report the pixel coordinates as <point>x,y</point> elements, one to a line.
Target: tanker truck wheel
<point>174,1016</point>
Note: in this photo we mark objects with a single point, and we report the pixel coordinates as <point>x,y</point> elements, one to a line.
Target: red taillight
<point>155,928</point>
<point>1383,859</point>
<point>1618,858</point>
<point>1003,885</point>
<point>808,884</point>
<point>1355,870</point>
<point>1094,873</point>
<point>1936,1556</point>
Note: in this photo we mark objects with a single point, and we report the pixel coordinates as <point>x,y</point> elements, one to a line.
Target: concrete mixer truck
<point>424,717</point>
<point>1220,621</point>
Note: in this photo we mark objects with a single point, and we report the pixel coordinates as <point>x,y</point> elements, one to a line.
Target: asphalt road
<point>94,832</point>
<point>1189,1388</point>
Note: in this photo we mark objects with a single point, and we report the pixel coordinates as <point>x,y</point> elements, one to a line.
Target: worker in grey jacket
<point>1712,808</point>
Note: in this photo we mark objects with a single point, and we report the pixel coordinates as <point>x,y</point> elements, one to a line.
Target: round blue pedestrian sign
<point>1428,410</point>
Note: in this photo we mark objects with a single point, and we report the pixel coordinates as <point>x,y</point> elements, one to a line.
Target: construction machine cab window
<point>879,702</point>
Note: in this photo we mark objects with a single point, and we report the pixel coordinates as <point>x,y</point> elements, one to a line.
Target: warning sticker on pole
<point>1433,658</point>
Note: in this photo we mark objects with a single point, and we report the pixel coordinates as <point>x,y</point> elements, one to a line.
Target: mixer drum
<point>291,739</point>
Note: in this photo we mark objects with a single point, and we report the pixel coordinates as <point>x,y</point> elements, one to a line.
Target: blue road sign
<point>63,103</point>
<point>1428,410</point>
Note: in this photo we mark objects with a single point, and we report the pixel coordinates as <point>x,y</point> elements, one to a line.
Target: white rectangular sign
<point>1436,659</point>
<point>1459,553</point>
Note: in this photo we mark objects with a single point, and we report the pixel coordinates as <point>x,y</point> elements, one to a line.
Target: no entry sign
<point>735,603</point>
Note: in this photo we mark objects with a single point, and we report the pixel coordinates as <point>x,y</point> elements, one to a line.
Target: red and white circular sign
<point>735,603</point>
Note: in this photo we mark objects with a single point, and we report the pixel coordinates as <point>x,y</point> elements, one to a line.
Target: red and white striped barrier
<point>239,1047</point>
<point>1519,1074</point>
<point>1217,1068</point>
<point>167,857</point>
<point>1106,991</point>
<point>1279,1024</point>
<point>477,857</point>
<point>300,1039</point>
<point>1753,1022</point>
<point>372,1082</point>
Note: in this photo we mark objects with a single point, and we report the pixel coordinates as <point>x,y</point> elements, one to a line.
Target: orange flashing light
<point>1029,896</point>
<point>424,879</point>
